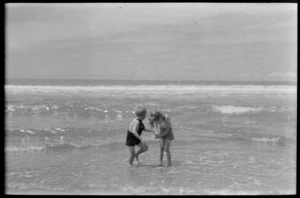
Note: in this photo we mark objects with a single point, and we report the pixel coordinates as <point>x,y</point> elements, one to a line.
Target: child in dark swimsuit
<point>133,137</point>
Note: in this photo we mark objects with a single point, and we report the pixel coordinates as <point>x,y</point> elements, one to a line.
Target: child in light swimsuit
<point>161,124</point>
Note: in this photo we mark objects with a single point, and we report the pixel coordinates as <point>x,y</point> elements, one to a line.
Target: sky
<point>152,41</point>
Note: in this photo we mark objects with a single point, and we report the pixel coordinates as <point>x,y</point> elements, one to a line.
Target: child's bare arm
<point>167,128</point>
<point>148,130</point>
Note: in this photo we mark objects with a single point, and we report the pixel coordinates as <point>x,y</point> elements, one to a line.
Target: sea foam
<point>230,109</point>
<point>155,88</point>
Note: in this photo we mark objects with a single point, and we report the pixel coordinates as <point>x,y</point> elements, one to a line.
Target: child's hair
<point>155,115</point>
<point>140,111</point>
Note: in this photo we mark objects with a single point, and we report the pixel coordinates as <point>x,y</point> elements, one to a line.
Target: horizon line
<point>162,80</point>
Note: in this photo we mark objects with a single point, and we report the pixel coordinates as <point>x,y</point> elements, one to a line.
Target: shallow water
<point>227,140</point>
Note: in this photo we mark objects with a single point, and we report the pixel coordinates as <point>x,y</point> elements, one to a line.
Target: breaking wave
<point>147,88</point>
<point>230,109</point>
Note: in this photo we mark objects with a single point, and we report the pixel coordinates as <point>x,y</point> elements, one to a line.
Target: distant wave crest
<point>20,149</point>
<point>156,88</point>
<point>229,109</point>
<point>264,139</point>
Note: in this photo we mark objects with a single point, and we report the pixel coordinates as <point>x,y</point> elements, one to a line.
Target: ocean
<point>231,138</point>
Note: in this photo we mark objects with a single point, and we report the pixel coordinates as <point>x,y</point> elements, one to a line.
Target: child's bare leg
<point>143,148</point>
<point>168,144</point>
<point>132,155</point>
<point>162,148</point>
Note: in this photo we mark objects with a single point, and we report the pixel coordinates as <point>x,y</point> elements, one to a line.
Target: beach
<point>230,139</point>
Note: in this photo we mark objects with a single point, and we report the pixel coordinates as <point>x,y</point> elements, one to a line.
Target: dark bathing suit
<point>131,140</point>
